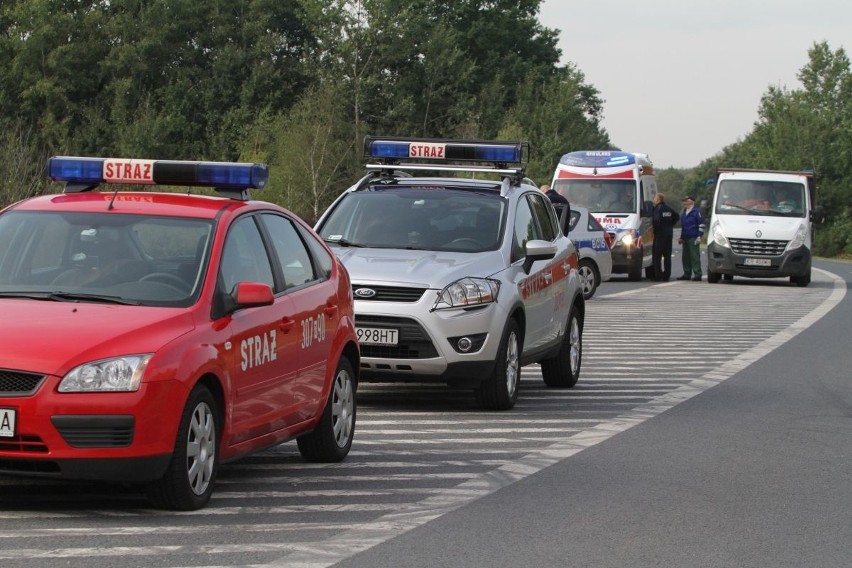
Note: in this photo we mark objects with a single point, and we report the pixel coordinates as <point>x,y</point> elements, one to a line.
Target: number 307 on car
<point>378,335</point>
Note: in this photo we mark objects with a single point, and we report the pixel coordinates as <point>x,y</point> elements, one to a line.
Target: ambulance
<point>618,188</point>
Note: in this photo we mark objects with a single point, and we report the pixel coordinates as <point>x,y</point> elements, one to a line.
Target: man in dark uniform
<point>664,219</point>
<point>552,195</point>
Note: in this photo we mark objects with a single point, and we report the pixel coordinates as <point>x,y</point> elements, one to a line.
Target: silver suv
<point>462,278</point>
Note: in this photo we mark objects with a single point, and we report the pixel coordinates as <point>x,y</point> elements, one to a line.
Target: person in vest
<point>663,221</point>
<point>691,231</point>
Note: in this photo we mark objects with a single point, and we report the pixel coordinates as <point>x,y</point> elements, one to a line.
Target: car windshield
<point>437,218</point>
<point>768,198</point>
<point>102,257</point>
<point>610,196</point>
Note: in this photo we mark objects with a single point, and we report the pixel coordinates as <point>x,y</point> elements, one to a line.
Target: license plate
<point>377,336</point>
<point>7,422</point>
<point>758,262</point>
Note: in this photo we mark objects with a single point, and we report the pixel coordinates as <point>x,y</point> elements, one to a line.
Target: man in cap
<point>691,231</point>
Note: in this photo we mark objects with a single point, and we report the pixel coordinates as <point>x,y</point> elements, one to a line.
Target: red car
<point>148,337</point>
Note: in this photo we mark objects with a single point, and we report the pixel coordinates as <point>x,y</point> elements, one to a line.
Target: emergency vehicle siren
<point>233,179</point>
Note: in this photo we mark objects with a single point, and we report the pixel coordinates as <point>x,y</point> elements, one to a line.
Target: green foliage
<point>298,83</point>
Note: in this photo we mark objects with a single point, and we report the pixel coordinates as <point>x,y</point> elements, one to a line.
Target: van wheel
<point>563,371</point>
<point>635,273</point>
<point>713,277</point>
<point>590,278</point>
<point>500,390</point>
<point>188,482</point>
<point>331,439</point>
<point>803,280</point>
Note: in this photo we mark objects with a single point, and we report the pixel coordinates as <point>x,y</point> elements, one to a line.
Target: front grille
<point>389,293</point>
<point>95,431</point>
<point>19,383</point>
<point>23,444</point>
<point>414,343</point>
<point>757,247</point>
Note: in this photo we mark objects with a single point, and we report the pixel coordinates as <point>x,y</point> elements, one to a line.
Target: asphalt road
<point>710,427</point>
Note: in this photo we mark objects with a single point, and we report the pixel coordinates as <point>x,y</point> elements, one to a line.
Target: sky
<point>682,79</point>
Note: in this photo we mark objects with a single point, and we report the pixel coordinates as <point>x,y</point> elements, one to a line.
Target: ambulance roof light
<point>598,159</point>
<point>442,150</point>
<point>81,173</point>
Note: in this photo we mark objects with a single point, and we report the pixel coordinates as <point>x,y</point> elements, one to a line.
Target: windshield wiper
<point>79,297</point>
<point>344,243</point>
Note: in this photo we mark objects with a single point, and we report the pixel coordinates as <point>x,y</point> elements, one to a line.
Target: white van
<point>618,189</point>
<point>762,225</point>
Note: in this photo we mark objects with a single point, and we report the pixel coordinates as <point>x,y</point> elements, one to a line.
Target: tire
<point>635,273</point>
<point>331,439</point>
<point>803,280</point>
<point>563,370</point>
<point>188,482</point>
<point>500,390</point>
<point>590,278</point>
<point>713,277</point>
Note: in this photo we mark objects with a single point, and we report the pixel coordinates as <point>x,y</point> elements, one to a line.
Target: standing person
<point>691,231</point>
<point>663,221</point>
<point>552,195</point>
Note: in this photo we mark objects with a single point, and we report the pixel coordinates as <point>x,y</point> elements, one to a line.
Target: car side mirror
<point>647,209</point>
<point>818,214</point>
<point>538,250</point>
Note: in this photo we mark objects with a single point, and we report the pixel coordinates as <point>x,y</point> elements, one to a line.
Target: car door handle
<point>330,309</point>
<point>286,324</point>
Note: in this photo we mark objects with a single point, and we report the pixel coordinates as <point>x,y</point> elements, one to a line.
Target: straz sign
<point>129,171</point>
<point>427,150</point>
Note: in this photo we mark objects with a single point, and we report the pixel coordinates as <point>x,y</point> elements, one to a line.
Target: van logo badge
<point>758,233</point>
<point>365,292</point>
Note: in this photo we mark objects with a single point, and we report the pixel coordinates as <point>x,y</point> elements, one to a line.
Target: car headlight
<point>799,238</point>
<point>718,236</point>
<point>119,374</point>
<point>626,238</point>
<point>468,292</point>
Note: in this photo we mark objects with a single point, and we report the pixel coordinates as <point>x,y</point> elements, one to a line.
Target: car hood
<point>748,227</point>
<point>54,337</point>
<point>417,268</point>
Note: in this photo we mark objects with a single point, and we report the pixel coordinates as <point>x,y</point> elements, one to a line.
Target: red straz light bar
<point>82,171</point>
<point>388,148</point>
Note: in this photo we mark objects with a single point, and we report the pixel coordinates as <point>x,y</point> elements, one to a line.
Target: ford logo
<point>365,293</point>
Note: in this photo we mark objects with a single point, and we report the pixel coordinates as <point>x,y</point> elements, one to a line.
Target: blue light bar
<point>220,175</point>
<point>598,159</point>
<point>440,150</point>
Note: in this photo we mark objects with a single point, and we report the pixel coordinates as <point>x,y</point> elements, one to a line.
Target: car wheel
<point>563,370</point>
<point>713,277</point>
<point>331,440</point>
<point>590,278</point>
<point>188,482</point>
<point>500,390</point>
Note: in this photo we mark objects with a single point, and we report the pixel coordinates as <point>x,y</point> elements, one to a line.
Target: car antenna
<point>111,201</point>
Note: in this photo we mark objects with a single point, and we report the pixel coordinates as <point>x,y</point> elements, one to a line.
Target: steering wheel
<point>466,241</point>
<point>166,278</point>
